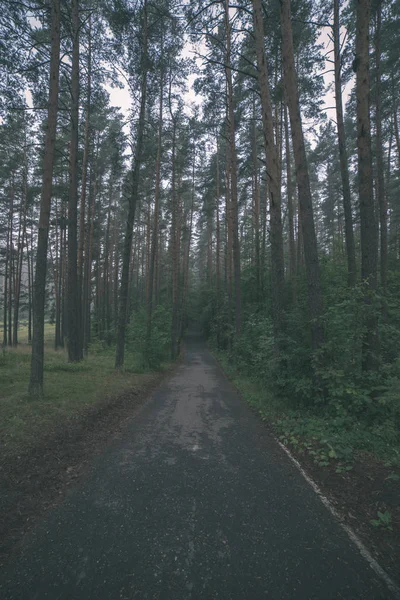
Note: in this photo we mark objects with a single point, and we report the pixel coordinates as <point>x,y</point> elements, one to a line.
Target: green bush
<point>156,350</point>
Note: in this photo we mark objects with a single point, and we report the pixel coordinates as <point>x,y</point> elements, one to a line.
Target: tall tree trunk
<point>57,280</point>
<point>233,176</point>
<point>36,376</point>
<point>382,202</point>
<point>85,163</point>
<point>368,222</point>
<point>186,259</point>
<point>5,308</point>
<point>274,172</point>
<point>29,261</point>
<point>303,180</point>
<point>217,240</point>
<point>344,165</point>
<point>11,267</point>
<point>154,240</point>
<point>396,134</point>
<point>174,251</point>
<point>20,255</point>
<point>290,197</point>
<point>87,275</point>
<point>256,205</point>
<point>73,302</point>
<point>122,316</point>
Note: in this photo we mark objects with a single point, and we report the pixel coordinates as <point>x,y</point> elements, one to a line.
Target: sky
<point>121,98</point>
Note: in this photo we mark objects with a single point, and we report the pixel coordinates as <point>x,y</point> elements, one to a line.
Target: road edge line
<point>365,553</point>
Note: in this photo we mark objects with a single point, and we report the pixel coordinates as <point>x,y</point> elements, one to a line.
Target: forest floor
<point>44,444</point>
<point>359,487</point>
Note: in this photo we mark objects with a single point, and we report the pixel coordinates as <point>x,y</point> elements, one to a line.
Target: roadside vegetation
<point>323,404</point>
<point>71,388</point>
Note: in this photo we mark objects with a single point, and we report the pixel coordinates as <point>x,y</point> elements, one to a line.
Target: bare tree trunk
<point>57,279</point>
<point>344,165</point>
<point>382,202</point>
<point>368,222</point>
<point>85,164</point>
<point>174,251</point>
<point>274,172</point>
<point>5,311</point>
<point>396,134</point>
<point>87,275</point>
<point>11,266</point>
<point>256,205</point>
<point>290,196</point>
<point>303,180</point>
<point>29,261</point>
<point>217,241</point>
<point>122,316</point>
<point>73,303</point>
<point>186,260</point>
<point>154,240</point>
<point>233,177</point>
<point>36,376</point>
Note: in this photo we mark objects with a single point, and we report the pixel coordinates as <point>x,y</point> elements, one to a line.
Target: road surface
<point>195,500</point>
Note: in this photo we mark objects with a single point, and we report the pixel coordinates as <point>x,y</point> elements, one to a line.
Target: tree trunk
<point>21,242</point>
<point>382,203</point>
<point>344,165</point>
<point>5,308</point>
<point>85,163</point>
<point>303,180</point>
<point>122,316</point>
<point>73,301</point>
<point>290,197</point>
<point>274,175</point>
<point>36,376</point>
<point>256,206</point>
<point>233,176</point>
<point>154,240</point>
<point>368,222</point>
<point>11,266</point>
<point>174,252</point>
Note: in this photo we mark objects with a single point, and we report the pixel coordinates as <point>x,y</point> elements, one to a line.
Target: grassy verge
<point>330,441</point>
<point>69,389</point>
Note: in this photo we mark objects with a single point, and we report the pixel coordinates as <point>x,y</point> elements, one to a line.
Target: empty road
<point>194,500</point>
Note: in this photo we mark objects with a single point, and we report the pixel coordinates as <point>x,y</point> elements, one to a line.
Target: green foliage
<point>155,351</point>
<point>383,521</point>
<point>322,404</point>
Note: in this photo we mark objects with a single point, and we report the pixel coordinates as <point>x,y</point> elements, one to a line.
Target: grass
<point>329,440</point>
<point>69,389</point>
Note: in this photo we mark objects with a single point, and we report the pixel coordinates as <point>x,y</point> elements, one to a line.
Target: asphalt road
<point>194,500</point>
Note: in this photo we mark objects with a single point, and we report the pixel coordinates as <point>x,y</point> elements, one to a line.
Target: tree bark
<point>73,302</point>
<point>233,177</point>
<point>154,240</point>
<point>85,163</point>
<point>36,376</point>
<point>122,316</point>
<point>368,222</point>
<point>274,175</point>
<point>380,180</point>
<point>174,252</point>
<point>344,165</point>
<point>290,198</point>
<point>303,180</point>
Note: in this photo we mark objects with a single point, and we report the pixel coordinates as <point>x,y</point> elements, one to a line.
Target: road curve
<point>194,500</point>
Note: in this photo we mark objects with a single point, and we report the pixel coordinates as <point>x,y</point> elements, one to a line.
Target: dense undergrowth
<point>324,404</point>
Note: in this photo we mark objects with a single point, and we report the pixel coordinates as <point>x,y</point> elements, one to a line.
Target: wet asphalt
<point>194,500</point>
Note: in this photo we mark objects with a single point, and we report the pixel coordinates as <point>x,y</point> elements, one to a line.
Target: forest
<point>232,166</point>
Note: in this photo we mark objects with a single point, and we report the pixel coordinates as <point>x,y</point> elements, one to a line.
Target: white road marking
<point>365,553</point>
